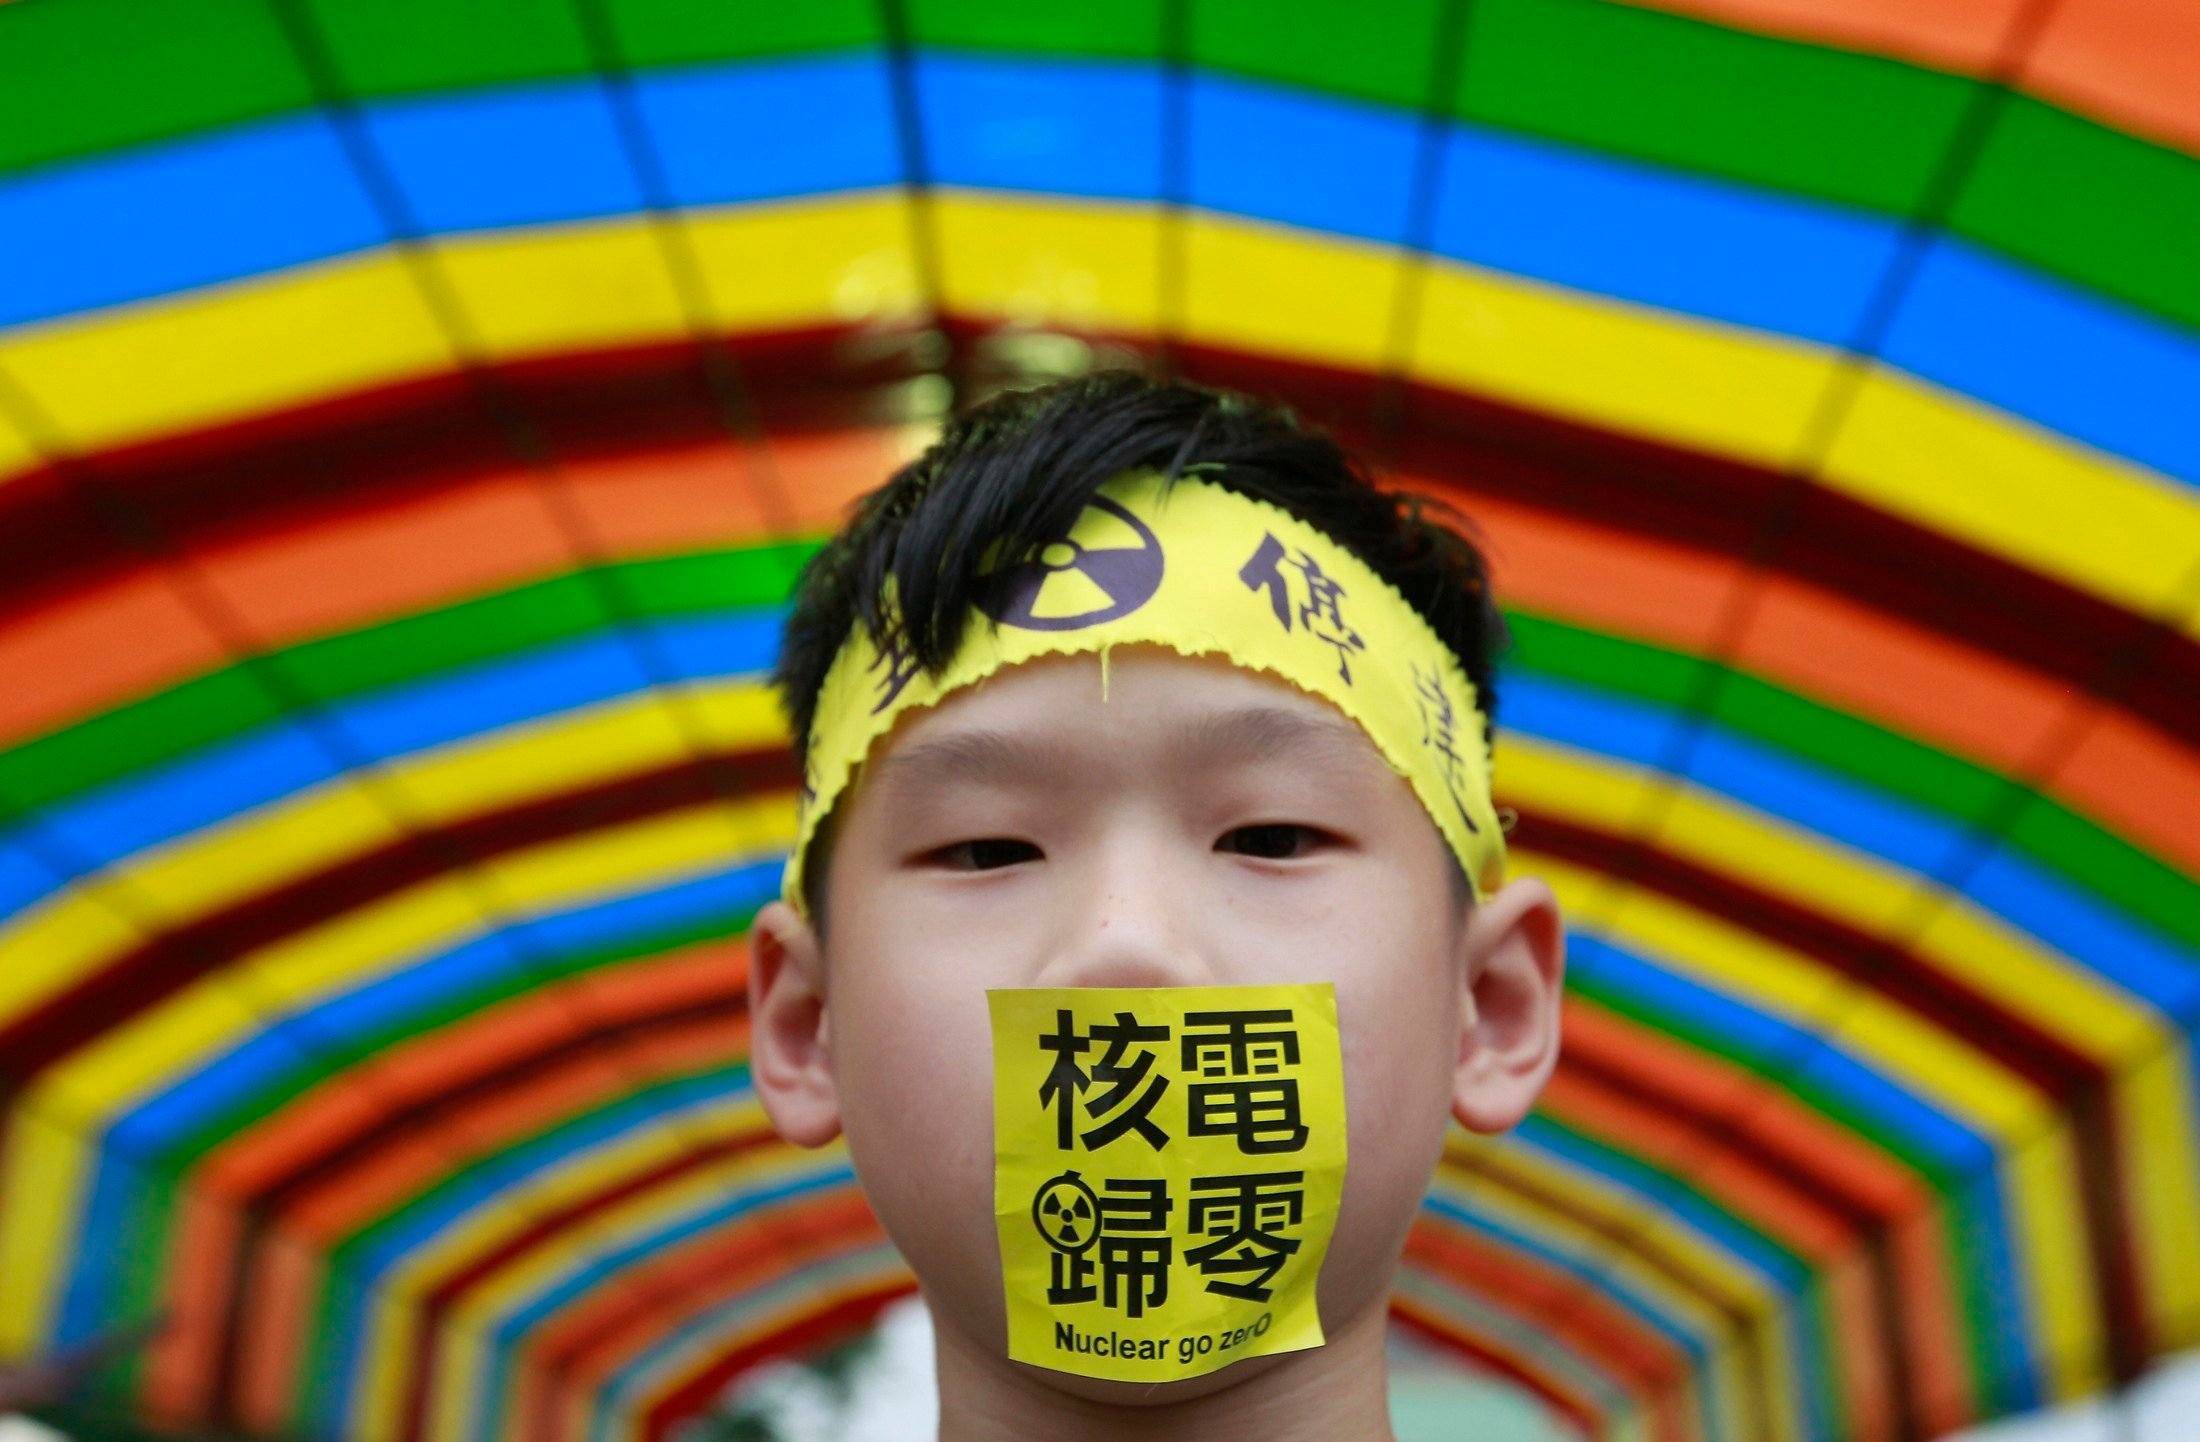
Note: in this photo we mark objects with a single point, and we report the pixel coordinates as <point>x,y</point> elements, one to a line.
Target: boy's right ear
<point>789,1060</point>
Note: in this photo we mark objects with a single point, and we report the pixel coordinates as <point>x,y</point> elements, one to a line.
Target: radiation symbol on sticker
<point>1067,1212</point>
<point>1070,585</point>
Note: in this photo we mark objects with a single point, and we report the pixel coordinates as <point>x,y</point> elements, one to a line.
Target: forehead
<point>1143,701</point>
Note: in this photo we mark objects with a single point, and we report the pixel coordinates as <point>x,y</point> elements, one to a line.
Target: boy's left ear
<point>1515,968</point>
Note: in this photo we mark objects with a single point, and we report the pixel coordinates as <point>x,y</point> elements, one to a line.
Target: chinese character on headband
<point>896,668</point>
<point>1439,736</point>
<point>1321,610</point>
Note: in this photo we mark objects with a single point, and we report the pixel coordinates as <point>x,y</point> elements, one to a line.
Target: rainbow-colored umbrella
<point>412,415</point>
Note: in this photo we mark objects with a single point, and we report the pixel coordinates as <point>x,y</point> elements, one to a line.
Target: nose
<point>1132,922</point>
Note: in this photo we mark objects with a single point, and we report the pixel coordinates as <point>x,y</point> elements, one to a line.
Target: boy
<point>1133,685</point>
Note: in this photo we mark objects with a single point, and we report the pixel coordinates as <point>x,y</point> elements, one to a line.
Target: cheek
<point>1398,1017</point>
<point>914,1070</point>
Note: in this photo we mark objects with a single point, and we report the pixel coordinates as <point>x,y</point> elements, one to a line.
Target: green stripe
<point>1130,30</point>
<point>2051,835</point>
<point>1846,127</point>
<point>2091,204</point>
<point>85,76</point>
<point>229,702</point>
<point>216,707</point>
<point>2080,199</point>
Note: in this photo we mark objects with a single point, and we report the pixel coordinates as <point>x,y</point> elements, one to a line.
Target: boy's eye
<point>1270,840</point>
<point>986,853</point>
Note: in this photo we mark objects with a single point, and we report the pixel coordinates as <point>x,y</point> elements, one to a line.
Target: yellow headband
<point>1203,571</point>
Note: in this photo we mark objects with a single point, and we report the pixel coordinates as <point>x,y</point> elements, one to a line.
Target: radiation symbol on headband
<point>1067,1213</point>
<point>1070,585</point>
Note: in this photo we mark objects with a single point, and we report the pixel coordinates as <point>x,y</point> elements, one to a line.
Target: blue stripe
<point>1660,237</point>
<point>278,194</point>
<point>2078,923</point>
<point>2046,904</point>
<point>1818,1070</point>
<point>519,155</point>
<point>1089,128</point>
<point>1287,156</point>
<point>729,133</point>
<point>29,870</point>
<point>1620,1289</point>
<point>1980,1210</point>
<point>2041,347</point>
<point>215,207</point>
<point>384,1009</point>
<point>356,1266</point>
<point>218,783</point>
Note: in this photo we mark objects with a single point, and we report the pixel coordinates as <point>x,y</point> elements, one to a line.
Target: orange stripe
<point>2134,64</point>
<point>356,565</point>
<point>1766,1116</point>
<point>1852,1325</point>
<point>433,1062</point>
<point>658,1298</point>
<point>1644,1363</point>
<point>1505,1357</point>
<point>283,1298</point>
<point>2130,777</point>
<point>1663,1139</point>
<point>752,1253</point>
<point>341,1205</point>
<point>203,1257</point>
<point>1924,1273</point>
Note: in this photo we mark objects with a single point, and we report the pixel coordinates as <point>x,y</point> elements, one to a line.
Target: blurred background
<point>412,416</point>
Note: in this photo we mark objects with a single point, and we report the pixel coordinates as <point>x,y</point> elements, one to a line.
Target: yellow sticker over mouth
<point>1168,1163</point>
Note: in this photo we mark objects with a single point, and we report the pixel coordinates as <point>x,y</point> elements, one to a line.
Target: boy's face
<point>1204,826</point>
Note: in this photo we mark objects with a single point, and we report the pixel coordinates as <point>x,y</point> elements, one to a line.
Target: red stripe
<point>141,978</point>
<point>54,534</point>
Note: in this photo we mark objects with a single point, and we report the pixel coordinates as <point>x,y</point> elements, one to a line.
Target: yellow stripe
<point>464,1358</point>
<point>2056,1266</point>
<point>2001,485</point>
<point>17,451</point>
<point>1954,465</point>
<point>247,348</point>
<point>1690,383</point>
<point>53,945</point>
<point>2157,1135</point>
<point>42,1175</point>
<point>2085,1012</point>
<point>228,352</point>
<point>1079,266</point>
<point>155,1050</point>
<point>1588,1239</point>
<point>1281,292</point>
<point>387,1350</point>
<point>1944,1069</point>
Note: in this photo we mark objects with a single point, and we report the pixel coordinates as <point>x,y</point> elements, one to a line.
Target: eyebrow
<point>1228,738</point>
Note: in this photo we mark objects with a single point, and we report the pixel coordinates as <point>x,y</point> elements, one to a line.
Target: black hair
<point>1010,476</point>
